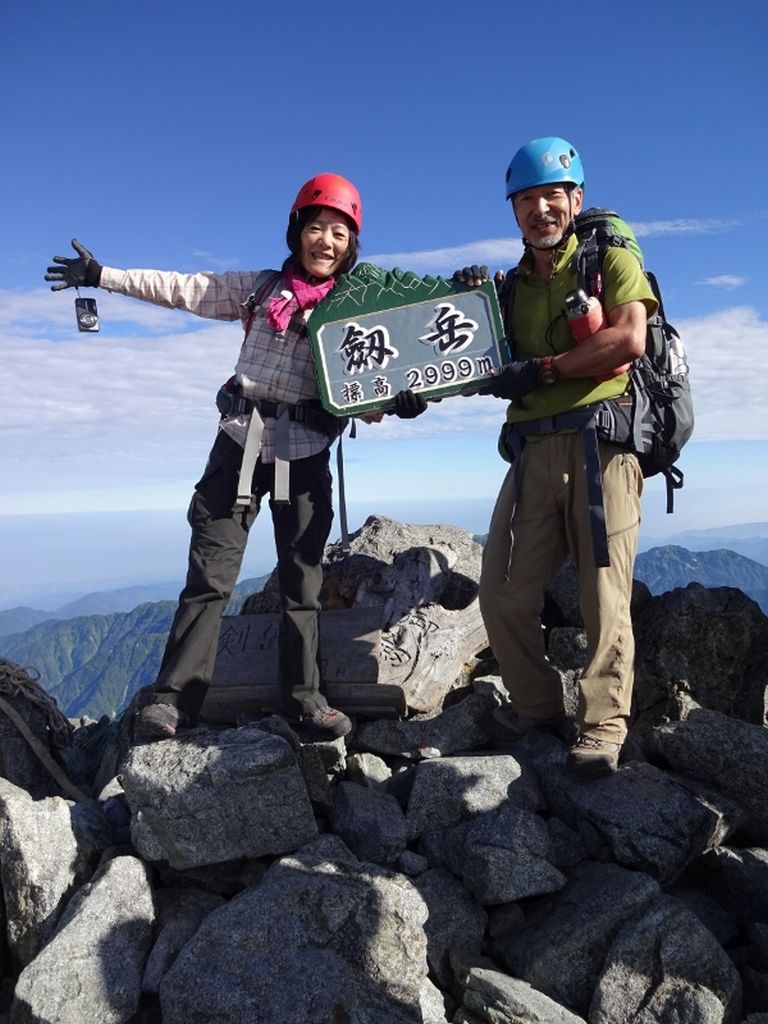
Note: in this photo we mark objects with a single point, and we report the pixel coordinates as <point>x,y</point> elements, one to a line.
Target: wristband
<point>549,372</point>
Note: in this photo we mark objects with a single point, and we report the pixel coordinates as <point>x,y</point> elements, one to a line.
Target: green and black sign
<point>379,332</point>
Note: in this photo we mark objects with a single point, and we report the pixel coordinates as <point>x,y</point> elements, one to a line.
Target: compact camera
<point>87,315</point>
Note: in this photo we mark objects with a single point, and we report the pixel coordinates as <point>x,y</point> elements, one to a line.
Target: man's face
<point>544,213</point>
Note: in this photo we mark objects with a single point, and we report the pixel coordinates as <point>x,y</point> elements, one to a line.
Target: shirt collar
<point>562,258</point>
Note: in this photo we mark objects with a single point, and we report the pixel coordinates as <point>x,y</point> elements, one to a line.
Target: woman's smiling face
<point>324,242</point>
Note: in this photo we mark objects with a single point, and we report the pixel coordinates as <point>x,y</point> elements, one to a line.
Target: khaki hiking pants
<point>530,535</point>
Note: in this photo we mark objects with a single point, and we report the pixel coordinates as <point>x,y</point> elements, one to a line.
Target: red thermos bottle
<point>585,316</point>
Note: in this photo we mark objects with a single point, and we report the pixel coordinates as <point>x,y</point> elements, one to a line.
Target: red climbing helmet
<point>334,191</point>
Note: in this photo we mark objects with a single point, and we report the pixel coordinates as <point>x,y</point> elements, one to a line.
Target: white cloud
<point>496,253</point>
<point>128,408</point>
<point>729,401</point>
<point>215,263</point>
<point>505,252</point>
<point>53,313</point>
<point>502,253</point>
<point>125,418</point>
<point>728,281</point>
<point>684,226</point>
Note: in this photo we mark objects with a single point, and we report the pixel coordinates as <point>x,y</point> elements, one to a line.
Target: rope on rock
<point>16,682</point>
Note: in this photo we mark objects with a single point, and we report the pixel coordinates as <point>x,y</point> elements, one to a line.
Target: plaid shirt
<point>273,366</point>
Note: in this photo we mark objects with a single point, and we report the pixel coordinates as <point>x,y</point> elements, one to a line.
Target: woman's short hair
<point>296,224</point>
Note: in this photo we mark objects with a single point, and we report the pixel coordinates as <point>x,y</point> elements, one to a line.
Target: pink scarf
<point>298,294</point>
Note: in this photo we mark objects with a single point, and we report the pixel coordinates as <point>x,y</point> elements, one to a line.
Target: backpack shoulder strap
<point>651,278</point>
<point>266,282</point>
<point>506,302</point>
<point>588,263</point>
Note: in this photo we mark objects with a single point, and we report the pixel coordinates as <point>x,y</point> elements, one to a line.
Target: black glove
<point>84,271</point>
<point>409,404</point>
<point>472,276</point>
<point>515,381</point>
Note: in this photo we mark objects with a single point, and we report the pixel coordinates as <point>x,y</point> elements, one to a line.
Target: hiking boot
<point>516,725</point>
<point>592,756</point>
<point>160,721</point>
<point>324,724</point>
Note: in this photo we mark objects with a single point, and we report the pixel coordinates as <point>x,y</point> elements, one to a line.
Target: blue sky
<point>175,134</point>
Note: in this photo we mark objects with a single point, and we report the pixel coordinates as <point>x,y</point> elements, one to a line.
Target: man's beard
<point>551,242</point>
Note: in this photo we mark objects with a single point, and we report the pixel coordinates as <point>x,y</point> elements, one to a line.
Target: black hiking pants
<point>219,537</point>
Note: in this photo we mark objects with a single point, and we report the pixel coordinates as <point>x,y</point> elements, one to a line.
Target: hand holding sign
<point>379,333</point>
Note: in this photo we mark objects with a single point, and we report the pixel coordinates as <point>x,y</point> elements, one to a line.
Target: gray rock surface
<point>495,998</point>
<point>755,989</point>
<point>455,925</point>
<point>432,1004</point>
<point>424,580</point>
<point>451,789</point>
<point>500,856</point>
<point>758,936</point>
<point>644,818</point>
<point>312,765</point>
<point>322,938</point>
<point>370,822</point>
<point>389,563</point>
<point>508,855</point>
<point>530,894</point>
<point>212,797</point>
<point>181,919</point>
<point>711,643</point>
<point>562,951</point>
<point>567,648</point>
<point>666,966</point>
<point>744,873</point>
<point>90,971</point>
<point>567,845</point>
<point>42,862</point>
<point>462,727</point>
<point>716,918</point>
<point>368,770</point>
<point>729,754</point>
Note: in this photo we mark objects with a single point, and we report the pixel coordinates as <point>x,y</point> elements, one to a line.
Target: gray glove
<point>472,276</point>
<point>515,381</point>
<point>83,271</point>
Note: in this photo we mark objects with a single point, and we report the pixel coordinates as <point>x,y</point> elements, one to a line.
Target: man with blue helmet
<point>546,509</point>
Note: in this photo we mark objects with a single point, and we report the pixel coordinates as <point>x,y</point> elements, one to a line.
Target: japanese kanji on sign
<point>379,332</point>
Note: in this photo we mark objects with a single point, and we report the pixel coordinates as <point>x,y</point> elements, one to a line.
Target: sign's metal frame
<point>380,332</point>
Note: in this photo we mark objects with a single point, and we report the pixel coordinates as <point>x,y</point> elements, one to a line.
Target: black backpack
<point>658,420</point>
<point>659,378</point>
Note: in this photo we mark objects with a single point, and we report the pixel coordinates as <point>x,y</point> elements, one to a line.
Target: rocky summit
<point>427,869</point>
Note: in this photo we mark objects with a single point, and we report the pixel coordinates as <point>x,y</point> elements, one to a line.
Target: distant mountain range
<point>666,568</point>
<point>106,602</point>
<point>669,566</point>
<point>94,664</point>
<point>748,539</point>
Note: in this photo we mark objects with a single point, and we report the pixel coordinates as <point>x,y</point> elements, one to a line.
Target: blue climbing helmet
<point>548,161</point>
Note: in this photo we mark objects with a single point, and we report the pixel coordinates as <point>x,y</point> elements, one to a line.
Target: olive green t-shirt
<point>540,327</point>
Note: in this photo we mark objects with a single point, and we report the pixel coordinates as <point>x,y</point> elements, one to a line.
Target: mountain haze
<point>748,539</point>
<point>97,602</point>
<point>94,664</point>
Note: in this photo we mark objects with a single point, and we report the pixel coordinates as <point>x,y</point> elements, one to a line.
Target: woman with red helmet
<point>273,441</point>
